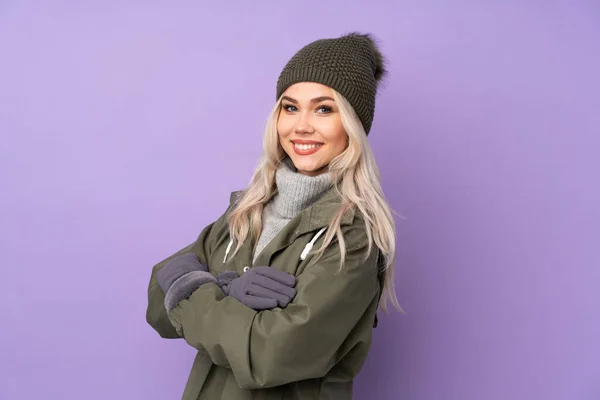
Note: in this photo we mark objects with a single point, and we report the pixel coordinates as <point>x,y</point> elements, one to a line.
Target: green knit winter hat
<point>351,64</point>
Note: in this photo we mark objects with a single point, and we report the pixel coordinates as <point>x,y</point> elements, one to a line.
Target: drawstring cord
<point>304,254</point>
<point>310,244</point>
<point>227,251</point>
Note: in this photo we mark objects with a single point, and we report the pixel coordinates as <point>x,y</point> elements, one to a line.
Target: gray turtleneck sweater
<point>295,192</point>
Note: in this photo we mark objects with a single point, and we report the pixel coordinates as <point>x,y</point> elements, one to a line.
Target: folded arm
<point>156,313</point>
<point>279,346</point>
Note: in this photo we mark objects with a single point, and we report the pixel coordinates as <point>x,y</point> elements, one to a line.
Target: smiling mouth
<point>306,144</point>
<point>306,147</point>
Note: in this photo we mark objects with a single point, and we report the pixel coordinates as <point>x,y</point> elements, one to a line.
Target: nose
<point>303,124</point>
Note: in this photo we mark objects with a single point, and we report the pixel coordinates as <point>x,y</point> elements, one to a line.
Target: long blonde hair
<point>357,180</point>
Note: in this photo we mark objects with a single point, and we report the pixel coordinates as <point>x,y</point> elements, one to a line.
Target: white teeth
<point>305,147</point>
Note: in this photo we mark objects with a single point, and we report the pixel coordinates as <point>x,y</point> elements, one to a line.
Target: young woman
<point>280,294</point>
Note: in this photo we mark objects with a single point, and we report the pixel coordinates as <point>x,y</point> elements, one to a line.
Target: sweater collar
<point>295,191</point>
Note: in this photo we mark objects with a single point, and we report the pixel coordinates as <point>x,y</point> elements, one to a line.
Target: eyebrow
<point>315,100</point>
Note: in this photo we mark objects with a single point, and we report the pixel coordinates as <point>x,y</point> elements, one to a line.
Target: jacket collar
<point>310,220</point>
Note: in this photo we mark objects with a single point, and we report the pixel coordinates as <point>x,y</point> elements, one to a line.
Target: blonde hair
<point>357,180</point>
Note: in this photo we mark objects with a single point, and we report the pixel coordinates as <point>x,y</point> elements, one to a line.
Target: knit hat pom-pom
<point>380,62</point>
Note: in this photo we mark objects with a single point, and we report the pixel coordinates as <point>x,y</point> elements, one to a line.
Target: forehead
<point>308,90</point>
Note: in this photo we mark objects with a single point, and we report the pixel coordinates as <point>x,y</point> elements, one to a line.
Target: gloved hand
<point>225,278</point>
<point>180,277</point>
<point>176,267</point>
<point>260,288</point>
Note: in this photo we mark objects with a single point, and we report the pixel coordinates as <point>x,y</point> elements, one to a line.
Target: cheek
<point>341,144</point>
<point>283,126</point>
<point>337,137</point>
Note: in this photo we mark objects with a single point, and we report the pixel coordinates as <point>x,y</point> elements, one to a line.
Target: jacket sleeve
<point>156,314</point>
<point>279,346</point>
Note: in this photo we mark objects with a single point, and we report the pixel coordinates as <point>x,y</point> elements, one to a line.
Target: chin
<point>309,167</point>
<point>304,165</point>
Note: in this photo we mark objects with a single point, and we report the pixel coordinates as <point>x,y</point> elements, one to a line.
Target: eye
<point>324,110</point>
<point>289,107</point>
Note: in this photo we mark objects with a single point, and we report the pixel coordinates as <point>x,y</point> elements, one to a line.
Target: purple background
<point>124,129</point>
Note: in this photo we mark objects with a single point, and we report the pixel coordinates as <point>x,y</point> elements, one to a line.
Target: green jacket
<point>312,349</point>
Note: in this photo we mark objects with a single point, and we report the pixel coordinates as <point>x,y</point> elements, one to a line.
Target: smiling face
<point>310,127</point>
